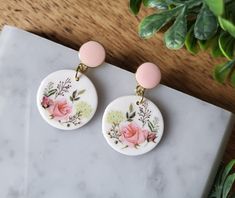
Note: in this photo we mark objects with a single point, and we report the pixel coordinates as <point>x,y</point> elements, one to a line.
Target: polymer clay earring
<point>133,125</point>
<point>67,99</point>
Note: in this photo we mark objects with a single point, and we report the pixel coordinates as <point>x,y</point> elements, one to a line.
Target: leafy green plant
<point>224,182</point>
<point>195,24</point>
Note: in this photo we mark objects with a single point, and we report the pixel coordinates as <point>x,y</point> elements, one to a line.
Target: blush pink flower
<point>46,102</point>
<point>60,109</point>
<point>132,135</point>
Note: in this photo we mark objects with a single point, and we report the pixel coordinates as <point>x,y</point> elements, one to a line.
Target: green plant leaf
<point>191,41</point>
<point>228,185</point>
<point>217,189</point>
<point>175,36</point>
<point>206,24</point>
<point>215,49</point>
<point>232,79</point>
<point>230,165</point>
<point>204,44</point>
<point>227,26</point>
<point>229,13</point>
<point>160,4</point>
<point>216,6</point>
<point>226,44</point>
<point>222,71</point>
<point>153,23</point>
<point>135,6</point>
<point>188,3</point>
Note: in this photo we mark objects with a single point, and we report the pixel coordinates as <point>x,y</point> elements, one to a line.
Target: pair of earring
<point>67,100</point>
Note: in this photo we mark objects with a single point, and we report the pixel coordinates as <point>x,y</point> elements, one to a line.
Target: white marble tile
<point>80,163</point>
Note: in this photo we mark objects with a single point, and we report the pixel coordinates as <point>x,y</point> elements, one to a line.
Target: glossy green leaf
<point>204,44</point>
<point>153,23</point>
<point>215,49</point>
<point>160,4</point>
<point>229,166</point>
<point>206,24</point>
<point>217,187</point>
<point>227,26</point>
<point>135,6</point>
<point>222,71</point>
<point>229,13</point>
<point>232,79</point>
<point>228,185</point>
<point>216,6</point>
<point>191,41</point>
<point>175,36</point>
<point>188,3</point>
<point>226,44</point>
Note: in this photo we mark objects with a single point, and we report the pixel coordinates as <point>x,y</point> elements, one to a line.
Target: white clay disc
<point>64,102</point>
<point>131,128</point>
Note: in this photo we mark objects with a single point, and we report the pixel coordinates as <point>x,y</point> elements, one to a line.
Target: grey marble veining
<point>38,161</point>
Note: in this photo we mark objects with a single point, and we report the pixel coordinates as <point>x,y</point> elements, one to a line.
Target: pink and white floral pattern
<point>135,128</point>
<point>60,100</point>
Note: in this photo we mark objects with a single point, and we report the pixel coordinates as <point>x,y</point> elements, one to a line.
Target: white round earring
<point>67,99</point>
<point>133,125</point>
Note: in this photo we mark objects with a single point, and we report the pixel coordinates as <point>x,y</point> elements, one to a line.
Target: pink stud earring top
<point>92,54</point>
<point>148,75</point>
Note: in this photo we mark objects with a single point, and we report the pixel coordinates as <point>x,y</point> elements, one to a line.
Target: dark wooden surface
<point>73,22</point>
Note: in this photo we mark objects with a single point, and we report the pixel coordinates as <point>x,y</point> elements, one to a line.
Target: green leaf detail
<point>227,26</point>
<point>151,126</point>
<point>215,49</point>
<point>160,4</point>
<point>228,185</point>
<point>227,169</point>
<point>223,182</point>
<point>216,6</point>
<point>222,71</point>
<point>51,92</point>
<point>132,115</point>
<point>153,23</point>
<point>226,44</point>
<point>131,108</point>
<point>191,42</point>
<point>175,36</point>
<point>206,24</point>
<point>232,79</point>
<point>135,6</point>
<point>81,92</point>
<point>74,94</point>
<point>71,98</point>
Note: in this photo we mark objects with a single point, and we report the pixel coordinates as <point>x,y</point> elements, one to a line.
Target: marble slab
<point>38,161</point>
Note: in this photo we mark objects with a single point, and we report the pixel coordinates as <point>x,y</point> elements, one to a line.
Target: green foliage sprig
<point>223,182</point>
<point>195,24</point>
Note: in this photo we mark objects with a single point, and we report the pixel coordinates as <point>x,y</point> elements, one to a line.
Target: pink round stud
<point>92,54</point>
<point>148,75</point>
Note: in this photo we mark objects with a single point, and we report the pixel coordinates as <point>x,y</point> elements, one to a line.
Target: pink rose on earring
<point>46,102</point>
<point>132,135</point>
<point>60,109</point>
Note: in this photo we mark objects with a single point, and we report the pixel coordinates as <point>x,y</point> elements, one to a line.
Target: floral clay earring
<point>67,99</point>
<point>133,125</point>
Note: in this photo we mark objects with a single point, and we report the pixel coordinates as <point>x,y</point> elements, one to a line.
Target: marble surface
<point>38,161</point>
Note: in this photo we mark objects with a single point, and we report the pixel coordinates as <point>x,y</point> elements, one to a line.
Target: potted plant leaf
<point>195,24</point>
